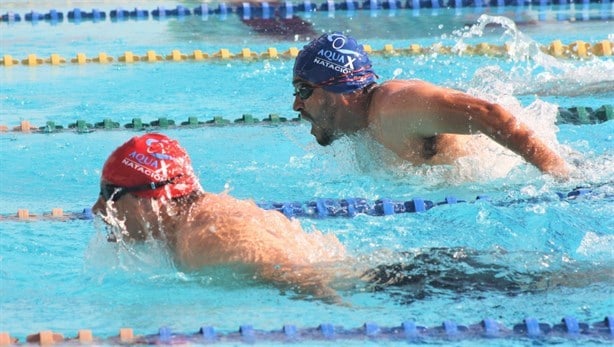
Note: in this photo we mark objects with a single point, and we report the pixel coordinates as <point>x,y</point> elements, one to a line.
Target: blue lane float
<point>54,16</point>
<point>78,15</point>
<point>34,16</point>
<point>179,11</point>
<point>11,17</point>
<point>119,14</point>
<point>286,9</point>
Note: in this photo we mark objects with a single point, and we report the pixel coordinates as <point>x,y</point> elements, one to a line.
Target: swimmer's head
<point>335,62</point>
<point>150,166</point>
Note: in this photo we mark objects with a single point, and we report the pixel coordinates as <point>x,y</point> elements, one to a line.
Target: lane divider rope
<point>577,49</point>
<point>287,9</point>
<point>577,115</point>
<point>332,208</point>
<point>408,331</point>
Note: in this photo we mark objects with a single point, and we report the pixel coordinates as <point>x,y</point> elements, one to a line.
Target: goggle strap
<point>149,186</point>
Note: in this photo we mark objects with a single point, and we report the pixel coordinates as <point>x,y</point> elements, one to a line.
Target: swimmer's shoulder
<point>401,84</point>
<point>402,90</point>
<point>399,95</point>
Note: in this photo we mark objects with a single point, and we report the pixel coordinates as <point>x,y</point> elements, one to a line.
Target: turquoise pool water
<point>64,276</point>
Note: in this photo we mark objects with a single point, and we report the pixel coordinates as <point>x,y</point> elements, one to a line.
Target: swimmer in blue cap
<point>336,63</point>
<point>336,91</point>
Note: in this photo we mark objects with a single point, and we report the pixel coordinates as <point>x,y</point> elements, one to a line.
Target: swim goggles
<point>114,193</point>
<point>303,90</point>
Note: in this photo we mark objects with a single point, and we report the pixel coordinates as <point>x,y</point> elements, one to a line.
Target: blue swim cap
<point>335,62</point>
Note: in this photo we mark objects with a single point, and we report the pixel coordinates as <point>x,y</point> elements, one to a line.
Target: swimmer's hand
<point>557,168</point>
<point>321,292</point>
<point>306,281</point>
<point>329,296</point>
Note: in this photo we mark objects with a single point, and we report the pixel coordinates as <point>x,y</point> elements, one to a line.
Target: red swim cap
<point>148,159</point>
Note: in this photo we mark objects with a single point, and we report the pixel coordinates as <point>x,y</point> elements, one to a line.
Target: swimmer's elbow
<point>474,115</point>
<point>495,121</point>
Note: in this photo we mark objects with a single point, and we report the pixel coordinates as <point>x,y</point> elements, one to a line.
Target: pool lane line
<point>265,10</point>
<point>576,115</point>
<point>576,50</point>
<point>408,331</point>
<point>163,123</point>
<point>322,208</point>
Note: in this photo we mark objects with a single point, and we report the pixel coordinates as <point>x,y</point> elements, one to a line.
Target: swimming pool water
<point>64,276</point>
<point>103,288</point>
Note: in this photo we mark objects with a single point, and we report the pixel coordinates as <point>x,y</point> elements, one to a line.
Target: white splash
<point>538,73</point>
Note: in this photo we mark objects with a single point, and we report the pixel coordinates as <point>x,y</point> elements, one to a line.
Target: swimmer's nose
<point>99,206</point>
<point>298,103</point>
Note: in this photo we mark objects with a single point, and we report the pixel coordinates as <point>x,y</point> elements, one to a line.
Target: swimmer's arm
<point>272,266</point>
<point>450,111</point>
<point>241,232</point>
<point>283,261</point>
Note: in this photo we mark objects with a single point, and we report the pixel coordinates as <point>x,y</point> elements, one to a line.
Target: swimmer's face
<point>124,211</point>
<point>318,107</point>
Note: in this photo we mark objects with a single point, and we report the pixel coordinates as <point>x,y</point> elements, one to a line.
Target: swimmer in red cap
<point>336,91</point>
<point>148,189</point>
